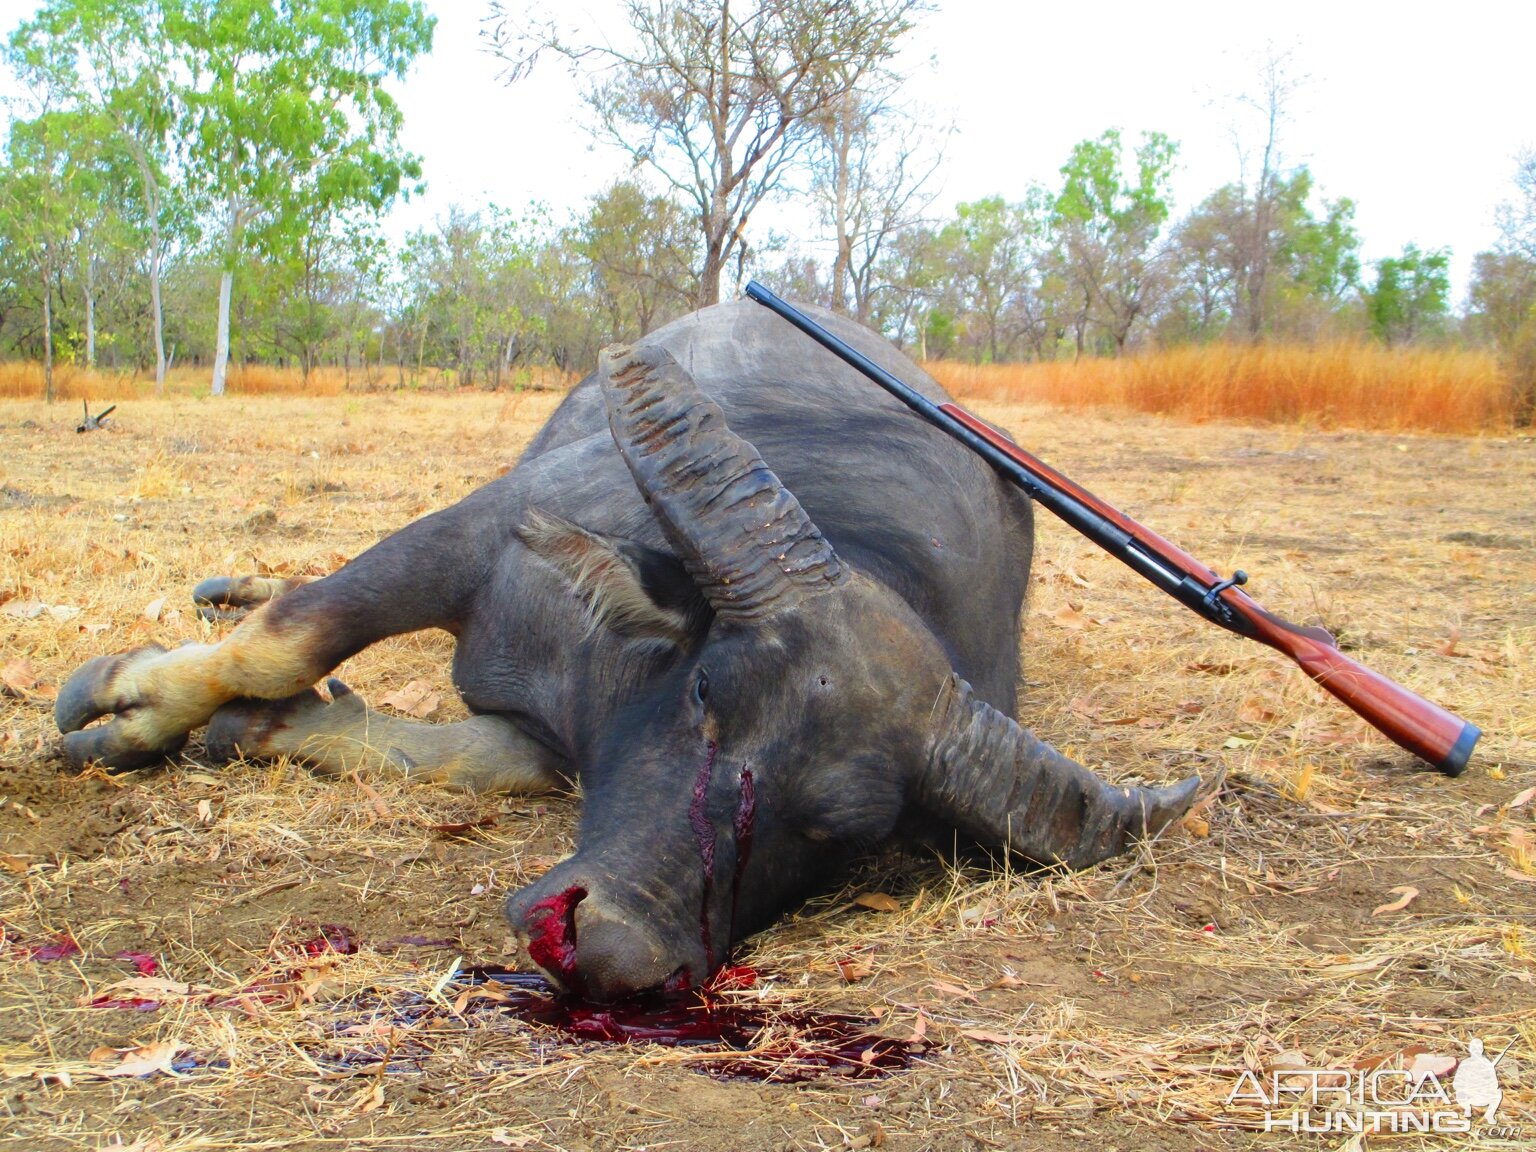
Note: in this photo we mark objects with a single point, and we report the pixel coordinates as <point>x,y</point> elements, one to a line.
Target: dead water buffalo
<point>759,611</point>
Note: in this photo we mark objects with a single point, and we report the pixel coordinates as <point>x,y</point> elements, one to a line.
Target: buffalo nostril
<point>551,924</point>
<point>592,942</point>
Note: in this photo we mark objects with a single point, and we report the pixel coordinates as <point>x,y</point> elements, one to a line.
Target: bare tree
<point>1261,189</point>
<point>1517,218</point>
<point>871,178</point>
<point>719,98</point>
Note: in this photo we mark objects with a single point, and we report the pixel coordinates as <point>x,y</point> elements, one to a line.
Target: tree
<point>994,267</point>
<point>1502,299</point>
<point>1517,218</point>
<point>870,169</point>
<point>286,113</point>
<point>1259,191</point>
<point>641,252</point>
<point>720,99</point>
<point>1411,297</point>
<point>1106,229</point>
<point>911,275</point>
<point>1312,263</point>
<point>44,187</point>
<point>115,56</point>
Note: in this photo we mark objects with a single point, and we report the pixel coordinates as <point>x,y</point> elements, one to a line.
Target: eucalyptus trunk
<point>47,340</point>
<point>221,344</point>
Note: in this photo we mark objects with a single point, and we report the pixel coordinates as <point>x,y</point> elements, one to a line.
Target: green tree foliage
<point>286,115</point>
<point>642,250</point>
<point>1411,297</point>
<point>1106,227</point>
<point>114,56</point>
<point>1311,264</point>
<point>993,252</point>
<point>50,188</point>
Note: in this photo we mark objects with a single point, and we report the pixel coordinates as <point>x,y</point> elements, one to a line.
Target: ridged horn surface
<point>995,781</point>
<point>743,536</point>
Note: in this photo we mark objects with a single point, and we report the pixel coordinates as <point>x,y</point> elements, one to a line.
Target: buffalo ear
<point>626,587</point>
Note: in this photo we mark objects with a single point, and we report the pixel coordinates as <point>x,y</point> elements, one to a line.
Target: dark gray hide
<point>749,679</point>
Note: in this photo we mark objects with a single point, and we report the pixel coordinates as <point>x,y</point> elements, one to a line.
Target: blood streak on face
<point>741,827</point>
<point>704,835</point>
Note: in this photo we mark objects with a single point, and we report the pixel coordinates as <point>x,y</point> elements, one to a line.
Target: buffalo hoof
<point>265,729</point>
<point>226,599</point>
<point>122,687</point>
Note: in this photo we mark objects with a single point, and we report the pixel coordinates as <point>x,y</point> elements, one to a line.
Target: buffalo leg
<point>156,697</point>
<point>225,599</point>
<point>482,754</point>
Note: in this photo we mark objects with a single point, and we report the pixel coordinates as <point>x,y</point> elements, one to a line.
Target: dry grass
<point>1115,1007</point>
<point>1340,385</point>
<point>24,381</point>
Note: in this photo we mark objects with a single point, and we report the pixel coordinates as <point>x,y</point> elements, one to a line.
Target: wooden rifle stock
<point>1427,730</point>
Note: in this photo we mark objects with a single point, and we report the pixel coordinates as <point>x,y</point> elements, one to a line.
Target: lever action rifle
<point>1427,730</point>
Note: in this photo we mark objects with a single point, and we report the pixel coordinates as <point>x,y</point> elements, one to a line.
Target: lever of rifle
<point>1213,597</point>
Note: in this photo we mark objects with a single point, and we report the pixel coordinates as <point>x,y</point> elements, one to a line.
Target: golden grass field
<point>1341,385</point>
<point>1332,385</point>
<point>1336,905</point>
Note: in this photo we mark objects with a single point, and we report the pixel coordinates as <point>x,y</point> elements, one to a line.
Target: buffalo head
<point>808,708</point>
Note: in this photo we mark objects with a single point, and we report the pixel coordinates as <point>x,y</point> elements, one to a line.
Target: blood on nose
<point>552,936</point>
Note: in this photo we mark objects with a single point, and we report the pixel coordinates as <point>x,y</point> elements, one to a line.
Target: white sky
<point>1414,111</point>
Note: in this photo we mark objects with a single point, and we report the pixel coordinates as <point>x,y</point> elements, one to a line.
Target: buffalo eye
<point>701,687</point>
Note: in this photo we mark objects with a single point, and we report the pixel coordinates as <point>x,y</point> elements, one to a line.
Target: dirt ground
<point>1337,905</point>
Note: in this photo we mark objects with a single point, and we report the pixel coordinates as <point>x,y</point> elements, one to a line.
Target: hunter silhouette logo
<point>1434,1094</point>
<point>1476,1082</point>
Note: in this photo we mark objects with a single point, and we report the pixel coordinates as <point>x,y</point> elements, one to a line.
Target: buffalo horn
<point>997,783</point>
<point>744,538</point>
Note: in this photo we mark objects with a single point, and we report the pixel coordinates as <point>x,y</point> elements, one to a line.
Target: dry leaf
<point>153,609</point>
<point>18,678</point>
<point>205,811</point>
<point>143,1061</point>
<point>985,1037</point>
<point>919,1028</point>
<point>415,699</point>
<point>1255,711</point>
<point>879,901</point>
<point>507,1139</point>
<point>1212,669</point>
<point>148,987</point>
<point>1449,647</point>
<point>1406,896</point>
<point>492,993</point>
<point>854,970</point>
<point>952,990</point>
<point>1353,968</point>
<point>25,609</point>
<point>1196,826</point>
<point>1427,1064</point>
<point>1521,799</point>
<point>1072,617</point>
